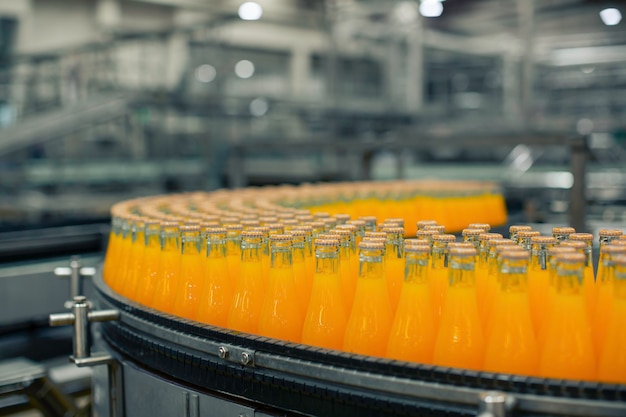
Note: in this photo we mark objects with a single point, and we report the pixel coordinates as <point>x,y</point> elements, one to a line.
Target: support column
<point>526,11</point>
<point>415,68</point>
<point>577,195</point>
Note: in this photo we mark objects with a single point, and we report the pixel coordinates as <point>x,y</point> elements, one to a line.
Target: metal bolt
<point>80,299</point>
<point>245,358</point>
<point>222,352</point>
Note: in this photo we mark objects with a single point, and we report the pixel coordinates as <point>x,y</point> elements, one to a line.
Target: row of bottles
<point>528,304</point>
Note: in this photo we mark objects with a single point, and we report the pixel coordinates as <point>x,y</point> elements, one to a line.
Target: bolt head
<point>80,299</point>
<point>222,352</point>
<point>245,358</point>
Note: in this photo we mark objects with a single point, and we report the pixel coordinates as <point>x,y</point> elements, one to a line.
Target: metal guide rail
<point>317,381</point>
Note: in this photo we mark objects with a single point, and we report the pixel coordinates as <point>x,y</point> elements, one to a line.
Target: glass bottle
<point>327,316</point>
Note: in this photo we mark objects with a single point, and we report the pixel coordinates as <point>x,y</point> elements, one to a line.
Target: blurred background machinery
<point>103,100</point>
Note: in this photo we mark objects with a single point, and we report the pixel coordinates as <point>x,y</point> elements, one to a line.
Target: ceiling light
<point>250,11</point>
<point>244,69</point>
<point>611,16</point>
<point>206,73</point>
<point>431,8</point>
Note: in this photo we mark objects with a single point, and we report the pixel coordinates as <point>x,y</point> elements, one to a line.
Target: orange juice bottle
<point>169,268</point>
<point>265,252</point>
<point>327,317</point>
<point>249,295</point>
<point>394,263</point>
<point>136,257</point>
<point>216,291</point>
<point>482,266</point>
<point>605,237</point>
<point>438,273</point>
<point>612,361</point>
<point>493,280</point>
<point>605,284</point>
<point>370,223</point>
<point>347,269</point>
<point>117,279</point>
<point>562,233</point>
<point>588,283</point>
<point>309,255</point>
<point>148,274</point>
<point>233,252</point>
<point>299,269</point>
<point>413,331</point>
<point>422,224</point>
<point>369,321</point>
<point>515,229</point>
<point>567,351</point>
<point>539,278</point>
<point>524,238</point>
<point>191,272</point>
<point>552,253</point>
<point>511,343</point>
<point>359,233</point>
<point>471,235</point>
<point>111,258</point>
<point>281,316</point>
<point>460,342</point>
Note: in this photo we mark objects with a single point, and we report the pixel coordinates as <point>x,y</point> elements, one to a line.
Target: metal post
<point>81,327</point>
<point>75,281</point>
<point>494,404</point>
<point>577,194</point>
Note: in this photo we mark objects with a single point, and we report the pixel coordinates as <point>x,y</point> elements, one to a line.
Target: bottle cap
<point>514,254</point>
<point>543,240</point>
<point>326,242</point>
<point>583,237</point>
<point>215,231</point>
<point>576,244</point>
<point>463,252</point>
<point>554,250</point>
<point>610,233</point>
<point>281,238</point>
<point>321,215</point>
<point>425,232</point>
<point>444,238</point>
<point>516,228</point>
<point>613,249</point>
<point>490,236</point>
<point>423,223</point>
<point>190,228</point>
<point>570,257</point>
<point>460,245</point>
<point>472,232</point>
<point>368,245</point>
<point>167,224</point>
<point>417,249</point>
<point>410,242</point>
<point>251,234</point>
<point>393,230</point>
<point>233,227</point>
<point>440,229</point>
<point>563,230</point>
<point>485,226</point>
<point>528,234</point>
<point>369,233</point>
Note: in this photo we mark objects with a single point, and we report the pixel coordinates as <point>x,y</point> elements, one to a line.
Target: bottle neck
<point>439,255</point>
<point>215,247</point>
<point>170,240</point>
<point>539,255</point>
<point>251,250</point>
<point>282,256</point>
<point>152,237</point>
<point>416,268</point>
<point>371,265</point>
<point>394,249</point>
<point>619,282</point>
<point>461,271</point>
<point>233,244</point>
<point>513,275</point>
<point>299,249</point>
<point>190,243</point>
<point>327,260</point>
<point>569,278</point>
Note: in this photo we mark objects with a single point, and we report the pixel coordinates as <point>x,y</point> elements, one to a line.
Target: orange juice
<point>482,266</point>
<point>439,273</point>
<point>216,291</point>
<point>539,278</point>
<point>117,279</point>
<point>394,263</point>
<point>327,317</point>
<point>149,273</point>
<point>248,298</point>
<point>413,331</point>
<point>589,288</point>
<point>605,285</point>
<point>136,258</point>
<point>281,316</point>
<point>191,273</point>
<point>233,252</point>
<point>612,361</point>
<point>113,249</point>
<point>169,268</point>
<point>606,236</point>
<point>553,251</point>
<point>460,342</point>
<point>567,351</point>
<point>511,343</point>
<point>369,321</point>
<point>299,269</point>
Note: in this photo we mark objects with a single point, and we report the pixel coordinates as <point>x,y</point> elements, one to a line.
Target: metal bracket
<point>495,404</point>
<point>236,354</point>
<point>80,317</point>
<point>76,273</point>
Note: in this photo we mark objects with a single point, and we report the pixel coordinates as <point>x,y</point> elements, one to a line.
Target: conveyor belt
<point>322,382</point>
